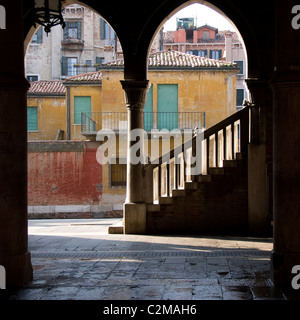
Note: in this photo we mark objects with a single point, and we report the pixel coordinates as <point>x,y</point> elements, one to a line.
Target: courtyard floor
<point>79,260</point>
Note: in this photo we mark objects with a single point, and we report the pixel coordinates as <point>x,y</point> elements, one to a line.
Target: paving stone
<point>78,259</point>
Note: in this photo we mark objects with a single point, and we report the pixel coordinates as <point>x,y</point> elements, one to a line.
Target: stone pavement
<point>79,260</point>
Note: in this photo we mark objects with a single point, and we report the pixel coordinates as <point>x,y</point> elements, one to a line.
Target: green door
<point>148,111</point>
<point>167,106</point>
<point>81,104</point>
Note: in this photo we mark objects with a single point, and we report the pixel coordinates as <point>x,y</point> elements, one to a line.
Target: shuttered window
<point>72,30</point>
<point>38,36</point>
<point>215,54</point>
<point>32,119</point>
<point>81,104</point>
<point>106,32</point>
<point>240,64</point>
<point>118,174</point>
<point>240,97</point>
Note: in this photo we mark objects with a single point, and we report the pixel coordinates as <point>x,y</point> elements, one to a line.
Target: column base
<point>18,269</point>
<point>281,269</point>
<point>134,218</point>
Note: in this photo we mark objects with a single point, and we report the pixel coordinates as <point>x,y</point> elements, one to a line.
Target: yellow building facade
<point>185,92</point>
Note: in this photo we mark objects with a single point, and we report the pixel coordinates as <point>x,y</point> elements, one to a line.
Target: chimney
<point>228,45</point>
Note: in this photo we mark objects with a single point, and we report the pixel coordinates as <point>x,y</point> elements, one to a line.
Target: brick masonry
<point>65,181</point>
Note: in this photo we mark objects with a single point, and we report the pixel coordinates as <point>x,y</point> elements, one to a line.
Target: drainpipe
<point>68,115</point>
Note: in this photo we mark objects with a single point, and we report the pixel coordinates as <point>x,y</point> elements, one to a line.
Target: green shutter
<point>66,30</point>
<point>81,104</point>
<point>32,120</point>
<point>239,97</point>
<point>167,106</point>
<point>79,30</point>
<point>148,111</point>
<point>102,29</point>
<point>64,66</point>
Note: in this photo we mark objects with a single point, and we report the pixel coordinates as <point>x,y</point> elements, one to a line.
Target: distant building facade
<point>82,46</point>
<point>207,41</point>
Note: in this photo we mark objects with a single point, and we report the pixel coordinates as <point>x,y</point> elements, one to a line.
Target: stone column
<point>286,170</point>
<point>258,212</point>
<point>14,255</point>
<point>286,150</point>
<point>135,207</point>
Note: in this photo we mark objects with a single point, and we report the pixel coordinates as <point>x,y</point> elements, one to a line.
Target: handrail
<point>207,133</point>
<point>220,142</point>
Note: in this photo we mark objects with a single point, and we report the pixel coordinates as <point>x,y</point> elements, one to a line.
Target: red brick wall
<point>63,173</point>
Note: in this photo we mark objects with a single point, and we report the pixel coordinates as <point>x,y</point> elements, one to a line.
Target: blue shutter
<point>32,120</point>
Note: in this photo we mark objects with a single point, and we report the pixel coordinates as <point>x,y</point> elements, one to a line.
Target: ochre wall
<point>51,117</point>
<point>212,92</point>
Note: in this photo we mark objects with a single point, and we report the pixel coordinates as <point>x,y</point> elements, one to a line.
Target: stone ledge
<point>75,211</point>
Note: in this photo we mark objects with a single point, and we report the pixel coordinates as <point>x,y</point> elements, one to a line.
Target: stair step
<point>204,178</point>
<point>178,193</point>
<point>117,228</point>
<point>190,185</point>
<point>229,163</point>
<point>216,171</point>
<point>153,207</point>
<point>165,200</point>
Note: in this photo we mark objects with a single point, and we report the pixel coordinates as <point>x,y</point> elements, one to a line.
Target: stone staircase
<point>215,203</point>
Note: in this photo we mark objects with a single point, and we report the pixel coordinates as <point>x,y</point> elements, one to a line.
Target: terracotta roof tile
<point>175,59</point>
<point>86,77</point>
<point>47,87</point>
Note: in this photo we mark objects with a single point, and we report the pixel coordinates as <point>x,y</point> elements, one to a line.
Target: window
<point>38,36</point>
<point>32,119</point>
<point>205,35</point>
<point>67,66</point>
<point>32,77</point>
<point>81,104</point>
<point>106,32</point>
<point>240,94</point>
<point>240,64</point>
<point>202,53</point>
<point>215,54</point>
<point>118,174</point>
<point>99,62</point>
<point>72,30</point>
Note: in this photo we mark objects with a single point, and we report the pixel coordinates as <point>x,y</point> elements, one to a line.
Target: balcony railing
<point>92,122</point>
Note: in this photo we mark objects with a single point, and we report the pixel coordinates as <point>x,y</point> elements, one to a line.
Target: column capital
<point>135,92</point>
